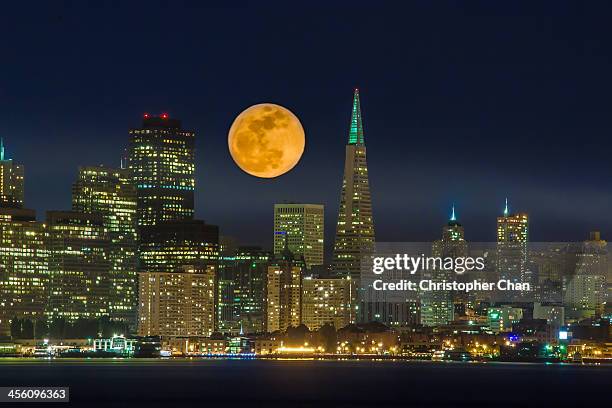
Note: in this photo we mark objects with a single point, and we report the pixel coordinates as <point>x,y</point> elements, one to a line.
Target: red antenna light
<point>146,116</point>
<point>164,116</point>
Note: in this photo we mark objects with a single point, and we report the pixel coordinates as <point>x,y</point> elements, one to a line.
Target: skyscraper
<point>355,229</point>
<point>327,301</point>
<point>180,303</point>
<point>161,156</point>
<point>585,286</point>
<point>24,272</point>
<point>437,307</point>
<point>512,239</point>
<point>111,193</point>
<point>284,292</point>
<point>11,181</point>
<point>78,265</point>
<point>242,290</point>
<point>171,245</point>
<point>302,226</point>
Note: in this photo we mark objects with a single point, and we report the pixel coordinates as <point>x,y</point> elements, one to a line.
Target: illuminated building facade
<point>161,156</point>
<point>284,292</point>
<point>355,229</point>
<point>327,301</point>
<point>11,181</point>
<point>178,303</point>
<point>24,273</point>
<point>111,193</point>
<point>512,240</point>
<point>79,265</point>
<point>437,307</point>
<point>584,289</point>
<point>554,314</point>
<point>502,318</point>
<point>170,245</point>
<point>242,291</point>
<point>303,226</point>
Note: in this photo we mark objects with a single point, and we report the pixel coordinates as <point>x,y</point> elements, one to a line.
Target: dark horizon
<point>463,104</point>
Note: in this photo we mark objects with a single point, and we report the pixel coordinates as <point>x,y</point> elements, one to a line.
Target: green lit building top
<point>11,181</point>
<point>355,229</point>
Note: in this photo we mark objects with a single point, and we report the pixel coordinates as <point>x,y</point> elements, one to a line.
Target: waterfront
<point>306,383</point>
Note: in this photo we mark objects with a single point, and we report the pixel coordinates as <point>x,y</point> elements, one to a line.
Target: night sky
<point>463,102</point>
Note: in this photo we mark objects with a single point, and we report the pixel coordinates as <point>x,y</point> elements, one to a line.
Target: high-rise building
<point>170,245</point>
<point>161,156</point>
<point>437,306</point>
<point>112,194</point>
<point>24,272</point>
<point>585,286</point>
<point>180,303</point>
<point>242,291</point>
<point>11,181</point>
<point>79,265</point>
<point>302,226</point>
<point>512,240</point>
<point>512,227</point>
<point>327,301</point>
<point>355,229</point>
<point>284,292</point>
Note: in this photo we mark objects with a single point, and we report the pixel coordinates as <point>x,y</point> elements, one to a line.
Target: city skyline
<point>444,112</point>
<point>306,203</point>
<point>263,240</point>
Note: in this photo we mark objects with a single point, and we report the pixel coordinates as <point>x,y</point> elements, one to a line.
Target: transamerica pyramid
<point>355,229</point>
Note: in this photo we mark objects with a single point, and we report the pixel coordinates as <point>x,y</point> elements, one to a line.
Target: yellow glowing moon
<point>266,140</point>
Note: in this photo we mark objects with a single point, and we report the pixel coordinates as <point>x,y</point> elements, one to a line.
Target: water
<point>291,383</point>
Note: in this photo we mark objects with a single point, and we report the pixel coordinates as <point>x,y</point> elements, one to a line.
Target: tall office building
<point>327,301</point>
<point>284,292</point>
<point>512,240</point>
<point>161,156</point>
<point>437,307</point>
<point>355,229</point>
<point>242,290</point>
<point>11,181</point>
<point>180,303</point>
<point>171,245</point>
<point>79,265</point>
<point>24,273</point>
<point>585,286</point>
<point>302,226</point>
<point>111,193</point>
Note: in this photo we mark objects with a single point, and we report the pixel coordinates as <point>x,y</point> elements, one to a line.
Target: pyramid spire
<point>506,208</point>
<point>453,217</point>
<point>356,131</point>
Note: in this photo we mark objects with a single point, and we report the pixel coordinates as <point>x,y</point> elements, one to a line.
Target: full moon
<point>266,140</point>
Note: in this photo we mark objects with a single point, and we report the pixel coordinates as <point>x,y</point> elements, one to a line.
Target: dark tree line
<point>60,328</point>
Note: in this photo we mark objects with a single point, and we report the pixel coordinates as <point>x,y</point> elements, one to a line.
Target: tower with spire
<point>512,240</point>
<point>355,229</point>
<point>512,227</point>
<point>453,230</point>
<point>11,181</point>
<point>438,307</point>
